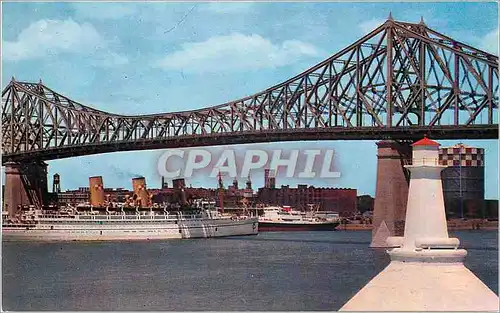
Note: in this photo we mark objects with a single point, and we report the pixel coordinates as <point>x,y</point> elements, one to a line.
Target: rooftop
<point>426,142</point>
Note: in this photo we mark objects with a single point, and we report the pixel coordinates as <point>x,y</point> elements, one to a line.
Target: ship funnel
<point>142,196</point>
<point>96,191</point>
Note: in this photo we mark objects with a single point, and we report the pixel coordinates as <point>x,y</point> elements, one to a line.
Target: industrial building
<point>74,197</point>
<point>341,200</point>
<point>463,181</point>
<point>179,193</point>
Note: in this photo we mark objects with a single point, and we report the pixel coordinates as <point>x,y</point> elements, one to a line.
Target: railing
<point>423,161</point>
<point>119,217</point>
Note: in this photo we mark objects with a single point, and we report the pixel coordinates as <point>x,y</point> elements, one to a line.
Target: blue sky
<point>136,58</point>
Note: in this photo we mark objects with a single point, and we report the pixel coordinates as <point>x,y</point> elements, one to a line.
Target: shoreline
<point>453,225</point>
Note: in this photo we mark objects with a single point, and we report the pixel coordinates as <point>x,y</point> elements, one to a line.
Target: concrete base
<point>391,192</point>
<point>25,184</point>
<point>417,286</point>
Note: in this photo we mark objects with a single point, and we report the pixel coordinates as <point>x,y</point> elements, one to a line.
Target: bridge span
<point>399,82</point>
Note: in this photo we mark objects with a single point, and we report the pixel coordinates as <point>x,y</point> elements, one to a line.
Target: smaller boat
<point>286,219</point>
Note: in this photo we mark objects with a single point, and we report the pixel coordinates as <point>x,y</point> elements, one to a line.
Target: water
<point>271,271</point>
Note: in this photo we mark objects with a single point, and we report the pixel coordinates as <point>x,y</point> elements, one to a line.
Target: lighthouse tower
<point>426,272</point>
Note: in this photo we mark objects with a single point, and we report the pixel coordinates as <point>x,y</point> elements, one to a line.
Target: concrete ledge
<point>428,256</point>
<point>437,243</point>
<point>394,242</point>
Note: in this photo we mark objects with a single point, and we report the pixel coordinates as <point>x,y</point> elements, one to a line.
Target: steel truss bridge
<point>400,81</point>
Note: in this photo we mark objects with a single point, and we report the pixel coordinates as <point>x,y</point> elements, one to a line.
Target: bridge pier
<point>391,192</point>
<point>25,184</point>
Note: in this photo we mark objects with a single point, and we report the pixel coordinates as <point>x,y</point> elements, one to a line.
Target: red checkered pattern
<point>461,155</point>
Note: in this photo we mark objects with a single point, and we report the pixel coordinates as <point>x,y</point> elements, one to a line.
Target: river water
<point>271,271</point>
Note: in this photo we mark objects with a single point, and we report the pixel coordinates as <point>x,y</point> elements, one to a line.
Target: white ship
<point>72,224</point>
<point>286,219</point>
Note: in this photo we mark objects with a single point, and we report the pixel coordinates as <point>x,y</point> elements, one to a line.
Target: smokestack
<point>266,178</point>
<point>96,191</point>
<point>142,195</point>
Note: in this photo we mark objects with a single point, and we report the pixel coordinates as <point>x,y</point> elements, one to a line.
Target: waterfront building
<point>74,197</point>
<point>341,200</point>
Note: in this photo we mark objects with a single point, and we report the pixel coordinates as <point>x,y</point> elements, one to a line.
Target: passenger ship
<point>286,219</point>
<point>72,224</point>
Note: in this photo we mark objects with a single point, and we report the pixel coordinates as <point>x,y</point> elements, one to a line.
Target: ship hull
<point>265,226</point>
<point>184,229</point>
<point>218,228</point>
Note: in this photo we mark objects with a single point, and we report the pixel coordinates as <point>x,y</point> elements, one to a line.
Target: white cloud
<point>489,42</point>
<point>236,52</point>
<point>46,38</point>
<point>228,7</point>
<point>370,25</point>
<point>51,37</point>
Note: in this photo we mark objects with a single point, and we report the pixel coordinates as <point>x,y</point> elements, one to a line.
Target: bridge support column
<point>391,192</point>
<point>25,184</point>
